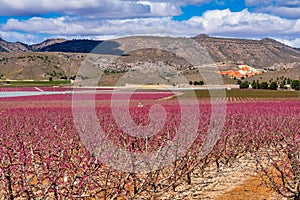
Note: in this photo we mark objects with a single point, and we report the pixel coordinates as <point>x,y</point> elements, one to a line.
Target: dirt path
<point>249,189</point>
<point>238,182</point>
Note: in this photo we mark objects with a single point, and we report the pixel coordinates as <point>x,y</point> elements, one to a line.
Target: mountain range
<point>18,60</point>
<point>226,52</point>
<point>51,45</point>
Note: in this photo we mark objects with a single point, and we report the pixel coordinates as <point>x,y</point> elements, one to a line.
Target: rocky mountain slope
<point>38,66</point>
<point>13,47</point>
<point>53,57</point>
<point>226,52</point>
<point>261,54</point>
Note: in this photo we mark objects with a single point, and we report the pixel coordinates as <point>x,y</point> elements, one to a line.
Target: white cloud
<point>96,8</point>
<point>289,3</point>
<point>283,8</point>
<point>77,26</point>
<point>290,42</point>
<point>162,8</point>
<point>46,26</point>
<point>289,12</point>
<point>106,8</point>
<point>296,28</point>
<point>185,2</point>
<point>243,24</point>
<point>258,2</point>
<point>15,36</point>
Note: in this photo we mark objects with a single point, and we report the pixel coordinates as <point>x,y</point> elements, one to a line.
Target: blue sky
<point>197,10</point>
<point>32,21</point>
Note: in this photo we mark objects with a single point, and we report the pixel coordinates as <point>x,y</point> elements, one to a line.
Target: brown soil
<point>252,188</point>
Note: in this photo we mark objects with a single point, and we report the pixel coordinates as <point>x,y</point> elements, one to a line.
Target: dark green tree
<point>244,85</point>
<point>284,82</point>
<point>253,84</point>
<point>264,85</point>
<point>257,84</point>
<point>295,84</point>
<point>273,86</point>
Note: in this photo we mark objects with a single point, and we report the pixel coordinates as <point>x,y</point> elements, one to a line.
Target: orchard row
<point>42,154</point>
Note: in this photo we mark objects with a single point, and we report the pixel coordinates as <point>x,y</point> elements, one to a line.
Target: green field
<point>33,83</point>
<point>249,93</point>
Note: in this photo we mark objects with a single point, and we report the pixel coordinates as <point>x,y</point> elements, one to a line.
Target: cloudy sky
<point>32,21</point>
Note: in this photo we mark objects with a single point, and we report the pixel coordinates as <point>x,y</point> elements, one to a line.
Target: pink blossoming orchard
<point>42,155</point>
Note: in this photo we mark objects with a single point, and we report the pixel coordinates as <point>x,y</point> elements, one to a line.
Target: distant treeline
<point>280,83</point>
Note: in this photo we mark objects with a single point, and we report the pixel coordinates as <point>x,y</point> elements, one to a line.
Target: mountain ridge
<point>51,45</point>
<point>47,42</point>
<point>53,41</point>
<point>265,53</point>
<point>52,57</point>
